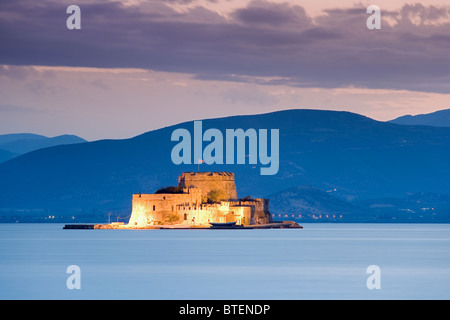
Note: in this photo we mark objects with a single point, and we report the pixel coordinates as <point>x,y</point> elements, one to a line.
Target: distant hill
<point>12,145</point>
<point>423,206</point>
<point>310,203</point>
<point>361,158</point>
<point>307,204</point>
<point>5,138</point>
<point>435,119</point>
<point>6,155</point>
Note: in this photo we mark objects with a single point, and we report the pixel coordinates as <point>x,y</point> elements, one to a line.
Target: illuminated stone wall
<point>260,209</point>
<point>191,208</point>
<point>209,181</point>
<point>151,209</point>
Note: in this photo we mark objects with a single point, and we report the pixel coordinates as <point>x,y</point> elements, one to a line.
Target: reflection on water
<point>321,261</point>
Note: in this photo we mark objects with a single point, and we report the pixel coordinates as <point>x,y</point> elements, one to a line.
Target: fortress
<point>199,199</point>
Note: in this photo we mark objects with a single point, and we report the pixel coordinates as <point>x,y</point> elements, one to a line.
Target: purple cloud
<point>261,40</point>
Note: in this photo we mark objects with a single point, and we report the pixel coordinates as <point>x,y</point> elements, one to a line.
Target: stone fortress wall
<point>209,181</point>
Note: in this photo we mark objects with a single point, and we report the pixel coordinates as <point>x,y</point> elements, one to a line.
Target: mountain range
<point>13,145</point>
<point>310,204</point>
<point>331,163</point>
<point>436,119</point>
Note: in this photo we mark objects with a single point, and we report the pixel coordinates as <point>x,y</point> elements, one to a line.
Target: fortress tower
<point>222,182</point>
<point>201,198</point>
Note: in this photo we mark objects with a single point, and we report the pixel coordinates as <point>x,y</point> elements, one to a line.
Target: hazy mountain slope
<point>23,143</point>
<point>5,138</point>
<point>6,155</point>
<point>308,204</point>
<point>436,119</point>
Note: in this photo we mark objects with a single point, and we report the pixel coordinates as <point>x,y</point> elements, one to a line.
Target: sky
<point>139,65</point>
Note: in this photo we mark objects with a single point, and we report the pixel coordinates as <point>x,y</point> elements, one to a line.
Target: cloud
<point>69,102</point>
<point>16,73</point>
<point>250,97</point>
<point>264,13</point>
<point>260,40</point>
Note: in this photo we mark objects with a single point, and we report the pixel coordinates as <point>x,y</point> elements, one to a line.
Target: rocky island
<point>205,200</point>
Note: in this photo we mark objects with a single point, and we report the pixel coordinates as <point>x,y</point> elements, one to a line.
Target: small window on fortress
<point>154,208</point>
<point>164,198</point>
<point>185,216</point>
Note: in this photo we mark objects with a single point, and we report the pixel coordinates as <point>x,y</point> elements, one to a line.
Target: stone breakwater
<point>117,226</point>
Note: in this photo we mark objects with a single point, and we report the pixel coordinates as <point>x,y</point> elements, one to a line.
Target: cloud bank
<point>263,42</point>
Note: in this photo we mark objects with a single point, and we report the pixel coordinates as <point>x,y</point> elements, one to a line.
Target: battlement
<point>210,181</point>
<point>189,204</point>
<point>206,176</point>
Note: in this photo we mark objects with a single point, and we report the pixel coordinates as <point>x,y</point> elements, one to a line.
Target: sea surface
<point>321,261</point>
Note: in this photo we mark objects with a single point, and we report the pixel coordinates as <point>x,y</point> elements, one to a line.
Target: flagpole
<point>200,161</point>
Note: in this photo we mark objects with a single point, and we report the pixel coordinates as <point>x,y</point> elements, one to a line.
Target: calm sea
<point>321,261</point>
